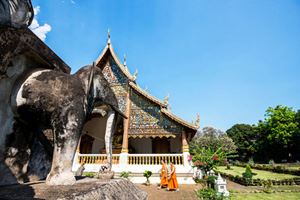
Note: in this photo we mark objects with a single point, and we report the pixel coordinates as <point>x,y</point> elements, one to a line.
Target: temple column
<point>124,153</point>
<point>185,149</point>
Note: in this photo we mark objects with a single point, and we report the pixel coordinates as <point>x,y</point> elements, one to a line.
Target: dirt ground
<point>38,190</point>
<point>186,192</point>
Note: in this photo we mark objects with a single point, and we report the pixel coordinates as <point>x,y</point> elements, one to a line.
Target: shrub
<point>228,167</point>
<point>211,181</point>
<point>208,194</point>
<point>147,174</point>
<point>251,161</point>
<point>200,181</point>
<point>124,174</point>
<point>271,162</point>
<point>267,184</point>
<point>89,174</point>
<point>247,175</point>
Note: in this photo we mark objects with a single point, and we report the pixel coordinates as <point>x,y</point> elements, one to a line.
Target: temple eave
<point>179,120</point>
<point>145,94</point>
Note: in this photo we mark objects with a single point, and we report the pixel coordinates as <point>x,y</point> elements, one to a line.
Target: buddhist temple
<point>149,134</point>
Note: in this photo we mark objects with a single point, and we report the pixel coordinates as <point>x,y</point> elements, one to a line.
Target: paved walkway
<point>186,192</point>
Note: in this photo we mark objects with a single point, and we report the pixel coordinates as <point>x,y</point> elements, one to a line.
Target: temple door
<point>86,144</point>
<point>160,145</point>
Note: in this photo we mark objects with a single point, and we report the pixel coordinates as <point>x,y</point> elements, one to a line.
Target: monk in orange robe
<point>164,175</point>
<point>173,184</point>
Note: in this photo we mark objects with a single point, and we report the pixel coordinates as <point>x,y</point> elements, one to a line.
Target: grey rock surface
<point>87,188</point>
<point>115,189</point>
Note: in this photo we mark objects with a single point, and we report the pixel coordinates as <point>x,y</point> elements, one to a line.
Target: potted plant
<point>147,174</point>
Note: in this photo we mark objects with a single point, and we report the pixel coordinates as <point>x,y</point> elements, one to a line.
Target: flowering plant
<point>206,159</point>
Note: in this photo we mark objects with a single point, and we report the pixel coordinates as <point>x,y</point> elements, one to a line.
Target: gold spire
<point>197,121</point>
<point>166,102</point>
<point>166,99</point>
<point>124,63</point>
<point>108,36</point>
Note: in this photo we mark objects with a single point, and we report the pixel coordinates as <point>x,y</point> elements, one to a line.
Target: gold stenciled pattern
<point>146,118</point>
<point>118,82</point>
<point>113,74</point>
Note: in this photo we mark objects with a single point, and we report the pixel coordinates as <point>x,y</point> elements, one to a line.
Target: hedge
<point>276,169</point>
<point>259,182</point>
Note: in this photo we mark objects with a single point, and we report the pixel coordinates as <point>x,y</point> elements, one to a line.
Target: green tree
<point>277,133</point>
<point>244,137</point>
<point>247,175</point>
<point>296,140</point>
<point>213,139</point>
<point>210,148</point>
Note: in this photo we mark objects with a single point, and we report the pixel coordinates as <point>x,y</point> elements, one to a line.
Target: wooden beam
<point>126,122</point>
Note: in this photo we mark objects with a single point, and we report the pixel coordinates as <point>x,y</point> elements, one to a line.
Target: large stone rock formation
<point>84,189</point>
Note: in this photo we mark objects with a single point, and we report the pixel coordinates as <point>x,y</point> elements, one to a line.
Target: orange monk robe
<point>164,176</point>
<point>173,184</point>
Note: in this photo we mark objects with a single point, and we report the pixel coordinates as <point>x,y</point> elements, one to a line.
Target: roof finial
<point>197,122</point>
<point>108,36</point>
<point>166,100</point>
<point>135,74</point>
<point>124,63</point>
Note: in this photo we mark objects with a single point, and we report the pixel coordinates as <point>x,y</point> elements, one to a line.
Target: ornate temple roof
<point>146,94</point>
<point>132,83</point>
<point>123,68</point>
<point>179,120</point>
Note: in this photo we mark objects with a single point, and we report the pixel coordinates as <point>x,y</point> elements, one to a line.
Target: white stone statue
<point>220,185</point>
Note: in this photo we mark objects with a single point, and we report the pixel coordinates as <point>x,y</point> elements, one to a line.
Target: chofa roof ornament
<point>108,36</point>
<point>135,75</point>
<point>197,121</point>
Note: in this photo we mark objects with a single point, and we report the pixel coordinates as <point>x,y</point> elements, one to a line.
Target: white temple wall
<point>96,128</point>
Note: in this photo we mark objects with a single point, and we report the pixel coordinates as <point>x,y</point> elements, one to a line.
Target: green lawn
<point>260,173</point>
<point>265,196</point>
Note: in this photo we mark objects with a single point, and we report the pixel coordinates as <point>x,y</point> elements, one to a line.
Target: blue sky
<point>226,60</point>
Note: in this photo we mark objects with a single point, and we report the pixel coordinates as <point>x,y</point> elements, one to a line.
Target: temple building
<point>149,134</point>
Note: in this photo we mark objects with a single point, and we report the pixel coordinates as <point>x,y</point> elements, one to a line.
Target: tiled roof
<point>144,93</point>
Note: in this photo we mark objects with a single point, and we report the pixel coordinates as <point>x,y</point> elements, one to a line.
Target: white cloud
<point>40,31</point>
<point>71,1</point>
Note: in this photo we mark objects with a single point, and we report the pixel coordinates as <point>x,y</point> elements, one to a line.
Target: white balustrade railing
<point>132,159</point>
<point>97,158</point>
<point>154,159</point>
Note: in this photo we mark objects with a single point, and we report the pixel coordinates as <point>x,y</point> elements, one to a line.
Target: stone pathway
<point>186,192</point>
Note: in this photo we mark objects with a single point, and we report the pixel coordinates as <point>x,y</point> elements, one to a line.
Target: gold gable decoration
<point>148,115</point>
